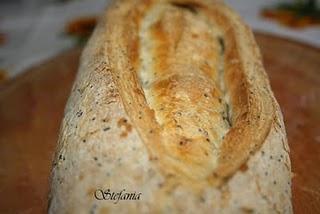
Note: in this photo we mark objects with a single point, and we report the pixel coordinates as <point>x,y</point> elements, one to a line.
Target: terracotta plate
<point>31,109</point>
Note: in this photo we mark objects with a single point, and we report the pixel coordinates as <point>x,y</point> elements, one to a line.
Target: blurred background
<point>34,30</point>
<point>40,45</point>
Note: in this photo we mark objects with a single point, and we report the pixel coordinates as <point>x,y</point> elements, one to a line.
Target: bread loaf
<point>171,105</point>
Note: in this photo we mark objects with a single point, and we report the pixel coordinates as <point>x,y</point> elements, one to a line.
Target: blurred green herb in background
<point>296,14</point>
<point>302,8</point>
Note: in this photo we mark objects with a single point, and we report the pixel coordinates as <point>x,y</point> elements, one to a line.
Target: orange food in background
<point>3,75</point>
<point>289,18</point>
<point>81,27</point>
<point>2,38</point>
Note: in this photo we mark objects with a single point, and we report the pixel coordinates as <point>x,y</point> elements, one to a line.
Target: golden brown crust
<point>183,84</point>
<point>176,73</point>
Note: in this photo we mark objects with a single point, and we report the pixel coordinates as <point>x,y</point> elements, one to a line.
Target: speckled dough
<point>172,101</point>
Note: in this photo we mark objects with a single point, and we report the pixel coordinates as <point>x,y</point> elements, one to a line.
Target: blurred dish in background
<point>296,14</point>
